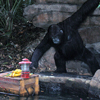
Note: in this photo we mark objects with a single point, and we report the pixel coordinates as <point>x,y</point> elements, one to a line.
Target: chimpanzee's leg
<point>90,59</point>
<point>60,63</point>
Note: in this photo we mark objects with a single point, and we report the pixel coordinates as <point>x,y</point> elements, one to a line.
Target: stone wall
<point>52,83</point>
<point>46,12</point>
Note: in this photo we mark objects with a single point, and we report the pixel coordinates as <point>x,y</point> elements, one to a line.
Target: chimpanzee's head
<point>55,33</point>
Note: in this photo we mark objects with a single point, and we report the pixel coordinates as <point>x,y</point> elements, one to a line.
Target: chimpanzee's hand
<point>33,67</point>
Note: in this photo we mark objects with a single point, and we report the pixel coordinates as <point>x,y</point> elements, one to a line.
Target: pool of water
<point>45,97</point>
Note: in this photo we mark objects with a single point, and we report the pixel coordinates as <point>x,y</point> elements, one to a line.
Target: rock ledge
<point>68,83</point>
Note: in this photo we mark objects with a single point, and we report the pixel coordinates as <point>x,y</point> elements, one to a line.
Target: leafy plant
<point>98,6</point>
<point>8,10</point>
<point>11,11</point>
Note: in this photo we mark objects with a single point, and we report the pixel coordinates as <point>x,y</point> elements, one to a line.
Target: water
<point>45,97</point>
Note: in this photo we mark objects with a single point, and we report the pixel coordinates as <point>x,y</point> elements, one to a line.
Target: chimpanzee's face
<point>55,33</point>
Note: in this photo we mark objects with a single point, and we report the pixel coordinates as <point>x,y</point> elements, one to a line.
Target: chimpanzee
<point>64,37</point>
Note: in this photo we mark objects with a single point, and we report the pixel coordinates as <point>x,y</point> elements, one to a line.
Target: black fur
<point>64,37</point>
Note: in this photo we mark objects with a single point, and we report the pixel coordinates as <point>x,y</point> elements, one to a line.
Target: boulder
<point>43,15</point>
<point>46,12</point>
<point>58,1</point>
<point>54,83</point>
<point>90,34</point>
<point>95,20</point>
<point>47,63</point>
<point>94,89</point>
<point>44,20</point>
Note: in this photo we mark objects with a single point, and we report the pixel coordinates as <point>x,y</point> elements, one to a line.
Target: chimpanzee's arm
<point>39,51</point>
<point>87,8</point>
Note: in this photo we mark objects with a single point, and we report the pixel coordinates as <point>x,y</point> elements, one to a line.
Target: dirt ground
<point>11,49</point>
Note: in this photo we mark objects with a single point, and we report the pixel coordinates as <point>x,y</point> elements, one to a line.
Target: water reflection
<point>45,97</point>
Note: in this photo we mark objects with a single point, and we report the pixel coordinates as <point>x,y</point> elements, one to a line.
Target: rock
<point>57,1</point>
<point>95,20</point>
<point>94,89</point>
<point>95,46</point>
<point>67,83</point>
<point>90,34</point>
<point>47,63</point>
<point>46,12</point>
<point>44,20</point>
<point>63,83</point>
<point>44,15</point>
<point>78,67</point>
<point>96,12</point>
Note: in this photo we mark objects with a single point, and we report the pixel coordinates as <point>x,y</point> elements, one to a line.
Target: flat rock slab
<point>54,83</point>
<point>64,83</point>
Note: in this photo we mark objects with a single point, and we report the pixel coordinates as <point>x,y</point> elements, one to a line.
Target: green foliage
<point>98,6</point>
<point>11,11</point>
<point>19,14</point>
<point>8,10</point>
